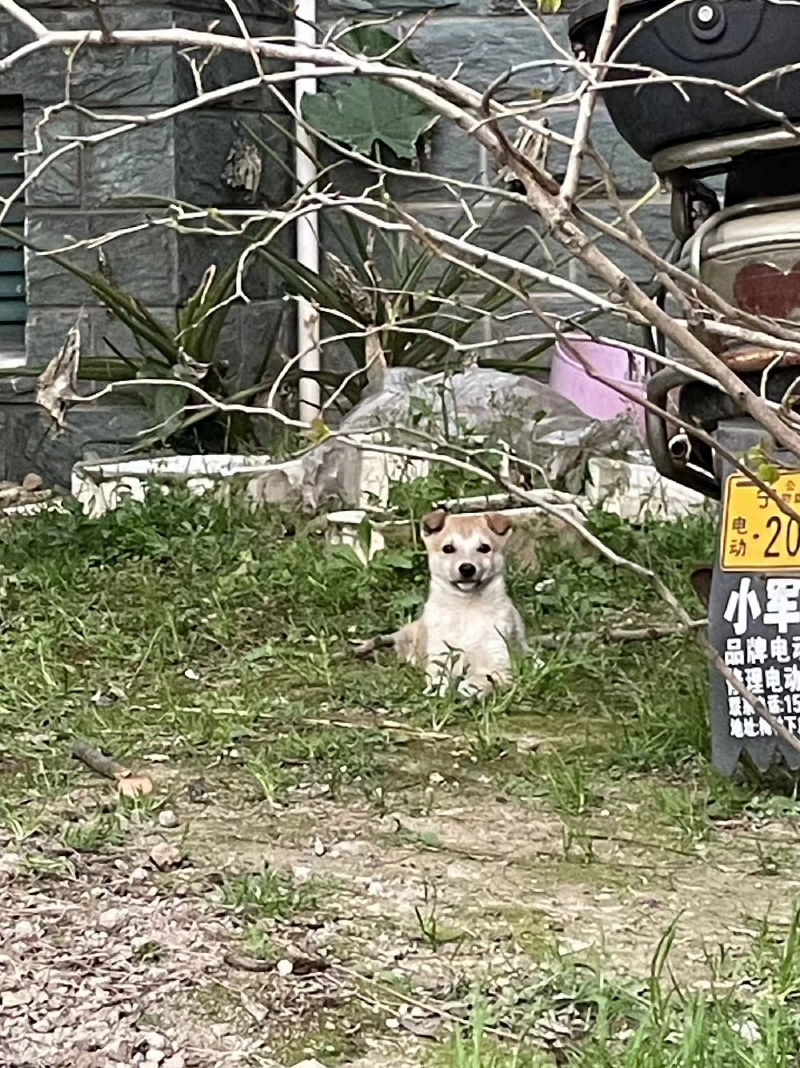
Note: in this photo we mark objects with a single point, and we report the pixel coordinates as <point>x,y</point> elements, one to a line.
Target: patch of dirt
<point>107,961</point>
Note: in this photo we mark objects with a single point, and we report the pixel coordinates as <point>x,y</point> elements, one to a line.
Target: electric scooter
<point>732,165</point>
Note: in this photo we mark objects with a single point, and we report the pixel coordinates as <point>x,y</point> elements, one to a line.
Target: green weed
<point>579,1018</point>
<point>92,835</point>
<point>432,932</point>
<point>569,788</point>
<point>270,893</point>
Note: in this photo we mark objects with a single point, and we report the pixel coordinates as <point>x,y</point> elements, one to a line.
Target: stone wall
<point>100,188</point>
<point>484,38</point>
<point>104,187</point>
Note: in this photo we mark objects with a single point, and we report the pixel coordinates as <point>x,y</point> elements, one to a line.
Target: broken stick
<point>127,783</point>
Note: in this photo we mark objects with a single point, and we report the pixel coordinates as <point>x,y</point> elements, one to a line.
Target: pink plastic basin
<point>569,376</point>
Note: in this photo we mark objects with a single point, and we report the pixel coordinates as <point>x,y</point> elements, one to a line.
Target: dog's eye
<point>484,548</point>
<point>448,549</point>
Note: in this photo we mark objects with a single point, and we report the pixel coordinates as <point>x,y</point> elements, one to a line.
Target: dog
<point>469,625</point>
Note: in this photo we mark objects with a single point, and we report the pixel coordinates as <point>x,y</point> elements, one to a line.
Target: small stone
<point>175,1061</point>
<point>284,968</point>
<point>86,1059</point>
<point>165,855</point>
<point>154,1040</point>
<point>139,875</point>
<point>110,919</point>
<point>23,930</point>
<point>319,847</point>
<point>9,863</point>
<point>13,999</point>
<point>748,1031</point>
<point>118,1049</point>
<point>32,482</point>
<point>154,1056</point>
<point>167,818</point>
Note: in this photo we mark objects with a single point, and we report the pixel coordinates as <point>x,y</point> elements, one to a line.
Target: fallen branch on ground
<point>300,965</point>
<point>654,632</point>
<point>363,649</point>
<point>128,784</point>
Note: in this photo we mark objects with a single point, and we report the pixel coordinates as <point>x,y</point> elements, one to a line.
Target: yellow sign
<point>756,534</point>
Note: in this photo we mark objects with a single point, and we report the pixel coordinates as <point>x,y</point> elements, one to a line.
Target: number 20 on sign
<point>756,534</point>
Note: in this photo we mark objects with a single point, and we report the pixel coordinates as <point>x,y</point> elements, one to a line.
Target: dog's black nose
<point>466,570</point>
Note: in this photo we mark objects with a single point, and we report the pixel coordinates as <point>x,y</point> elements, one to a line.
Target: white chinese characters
<point>767,664</point>
<point>783,603</point>
<point>743,605</point>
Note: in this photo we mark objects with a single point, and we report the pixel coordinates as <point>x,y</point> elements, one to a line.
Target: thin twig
<point>653,632</point>
<point>569,187</point>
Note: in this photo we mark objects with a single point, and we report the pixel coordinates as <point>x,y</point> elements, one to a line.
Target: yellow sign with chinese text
<point>756,534</point>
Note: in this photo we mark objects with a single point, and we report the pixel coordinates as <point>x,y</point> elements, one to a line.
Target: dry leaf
<point>375,361</point>
<point>56,386</point>
<point>134,785</point>
<point>165,855</point>
<point>243,166</point>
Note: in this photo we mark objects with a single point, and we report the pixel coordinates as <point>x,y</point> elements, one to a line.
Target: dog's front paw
<point>362,648</point>
<point>475,688</point>
<point>437,687</point>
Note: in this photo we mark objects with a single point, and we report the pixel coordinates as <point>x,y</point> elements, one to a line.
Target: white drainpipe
<point>307,233</point>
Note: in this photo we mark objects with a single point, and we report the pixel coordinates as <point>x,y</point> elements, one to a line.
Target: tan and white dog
<point>469,625</point>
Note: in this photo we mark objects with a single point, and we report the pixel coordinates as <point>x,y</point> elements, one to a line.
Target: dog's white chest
<point>467,626</point>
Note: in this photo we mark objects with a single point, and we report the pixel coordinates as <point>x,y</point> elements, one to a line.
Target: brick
<point>447,151</point>
<point>227,68</point>
<point>47,330</point>
<point>138,163</point>
<point>59,184</point>
<point>197,252</point>
<point>654,221</point>
<point>48,284</point>
<point>258,343</point>
<point>144,263</point>
<point>508,229</point>
<point>203,141</point>
<point>103,327</point>
<point>29,441</point>
<point>485,48</point>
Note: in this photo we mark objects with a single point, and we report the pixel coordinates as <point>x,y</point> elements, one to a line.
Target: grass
<point>749,1017</point>
<point>215,633</point>
<point>269,894</point>
<point>91,835</point>
<point>212,636</point>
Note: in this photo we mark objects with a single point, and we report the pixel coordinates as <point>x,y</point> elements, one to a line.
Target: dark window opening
<point>13,305</point>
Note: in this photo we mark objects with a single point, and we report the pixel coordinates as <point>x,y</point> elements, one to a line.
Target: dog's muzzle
<point>468,584</point>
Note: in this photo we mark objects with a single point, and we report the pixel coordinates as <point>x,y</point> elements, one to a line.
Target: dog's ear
<point>498,523</point>
<point>433,522</point>
<point>700,579</point>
